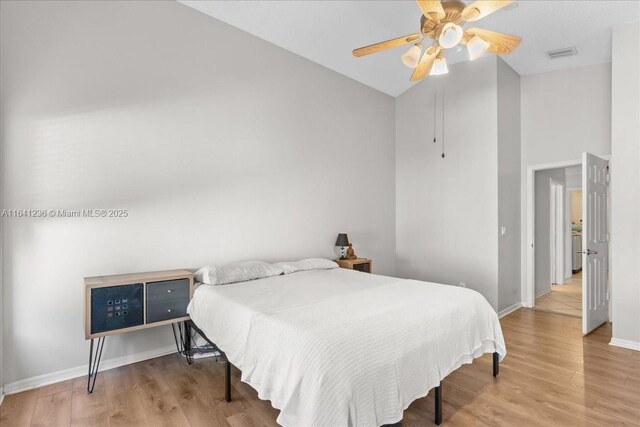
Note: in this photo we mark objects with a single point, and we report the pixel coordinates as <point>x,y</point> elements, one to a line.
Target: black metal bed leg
<point>227,381</point>
<point>227,364</point>
<point>94,363</point>
<point>187,342</point>
<point>496,364</point>
<point>438,396</point>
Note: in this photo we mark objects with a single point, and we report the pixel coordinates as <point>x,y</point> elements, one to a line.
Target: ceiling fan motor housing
<point>453,13</point>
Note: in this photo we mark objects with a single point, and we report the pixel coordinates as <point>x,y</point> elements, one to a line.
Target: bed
<point>339,347</point>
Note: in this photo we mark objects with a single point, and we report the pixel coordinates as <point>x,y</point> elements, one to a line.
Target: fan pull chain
<point>435,99</point>
<point>443,123</point>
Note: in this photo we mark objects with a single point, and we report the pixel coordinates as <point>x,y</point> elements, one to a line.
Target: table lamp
<point>342,241</point>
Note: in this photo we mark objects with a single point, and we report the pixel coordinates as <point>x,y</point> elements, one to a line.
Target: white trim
<point>1,395</point>
<point>79,371</point>
<point>509,310</point>
<point>528,287</point>
<point>632,345</point>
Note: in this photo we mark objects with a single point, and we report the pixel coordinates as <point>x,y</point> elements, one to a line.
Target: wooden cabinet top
<point>151,276</point>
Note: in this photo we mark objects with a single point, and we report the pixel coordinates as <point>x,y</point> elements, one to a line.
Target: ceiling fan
<point>442,22</point>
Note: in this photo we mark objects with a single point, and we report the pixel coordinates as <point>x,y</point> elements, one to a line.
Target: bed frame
<point>186,340</point>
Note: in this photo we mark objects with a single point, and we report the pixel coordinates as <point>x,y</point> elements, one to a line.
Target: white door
<point>595,247</point>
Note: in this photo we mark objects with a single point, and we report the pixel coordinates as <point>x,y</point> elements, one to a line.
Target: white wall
<point>564,113</point>
<point>625,183</point>
<point>508,186</point>
<point>220,145</point>
<point>446,209</point>
<point>543,227</point>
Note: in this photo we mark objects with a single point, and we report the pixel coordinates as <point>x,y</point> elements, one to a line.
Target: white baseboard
<point>1,395</point>
<point>509,310</point>
<point>80,371</point>
<point>632,345</point>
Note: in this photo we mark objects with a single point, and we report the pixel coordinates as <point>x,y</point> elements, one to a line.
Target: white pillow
<point>306,264</point>
<point>236,272</point>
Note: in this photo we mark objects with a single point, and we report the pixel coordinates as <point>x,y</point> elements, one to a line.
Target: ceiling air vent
<point>559,53</point>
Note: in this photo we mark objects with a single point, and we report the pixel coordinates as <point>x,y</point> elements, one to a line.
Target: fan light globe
<point>411,57</point>
<point>476,47</point>
<point>439,65</point>
<point>450,36</point>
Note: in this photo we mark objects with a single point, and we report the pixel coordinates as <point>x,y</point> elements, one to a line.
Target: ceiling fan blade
<point>499,43</point>
<point>431,9</point>
<point>426,62</point>
<point>481,8</point>
<point>400,41</point>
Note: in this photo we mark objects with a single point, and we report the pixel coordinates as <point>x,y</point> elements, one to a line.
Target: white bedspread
<point>345,348</point>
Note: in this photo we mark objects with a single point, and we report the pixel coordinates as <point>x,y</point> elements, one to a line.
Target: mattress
<point>344,348</point>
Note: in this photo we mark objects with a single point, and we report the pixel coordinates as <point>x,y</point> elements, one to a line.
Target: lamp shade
<point>342,240</point>
<point>439,65</point>
<point>476,47</point>
<point>450,36</point>
<point>411,58</point>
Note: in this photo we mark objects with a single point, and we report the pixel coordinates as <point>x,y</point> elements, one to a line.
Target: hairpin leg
<point>438,396</point>
<point>94,363</point>
<point>182,339</point>
<point>496,364</point>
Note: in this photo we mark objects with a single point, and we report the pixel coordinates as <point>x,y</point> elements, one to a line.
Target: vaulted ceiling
<point>327,31</point>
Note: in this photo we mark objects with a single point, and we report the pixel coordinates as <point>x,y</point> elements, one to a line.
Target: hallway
<point>563,299</point>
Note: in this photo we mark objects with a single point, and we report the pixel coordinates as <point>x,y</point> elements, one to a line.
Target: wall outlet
<point>463,285</point>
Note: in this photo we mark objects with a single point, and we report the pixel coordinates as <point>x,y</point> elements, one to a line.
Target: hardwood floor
<point>551,376</point>
<point>563,299</point>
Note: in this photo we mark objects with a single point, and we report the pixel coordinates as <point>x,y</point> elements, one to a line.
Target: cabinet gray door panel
<point>167,290</point>
<point>167,299</point>
<point>166,310</point>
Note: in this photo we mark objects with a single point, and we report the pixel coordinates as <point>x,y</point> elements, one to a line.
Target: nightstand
<point>358,264</point>
<point>130,302</point>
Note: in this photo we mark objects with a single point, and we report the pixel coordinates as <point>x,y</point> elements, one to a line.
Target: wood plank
<point>199,400</point>
<point>126,409</point>
<point>89,409</point>
<point>159,402</point>
<point>53,410</point>
<point>17,409</point>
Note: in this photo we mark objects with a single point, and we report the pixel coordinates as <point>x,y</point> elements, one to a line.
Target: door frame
<point>528,287</point>
<point>556,231</point>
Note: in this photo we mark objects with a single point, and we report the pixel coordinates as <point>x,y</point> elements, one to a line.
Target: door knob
<point>589,252</point>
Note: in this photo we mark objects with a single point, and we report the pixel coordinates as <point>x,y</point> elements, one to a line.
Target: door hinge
<point>607,176</point>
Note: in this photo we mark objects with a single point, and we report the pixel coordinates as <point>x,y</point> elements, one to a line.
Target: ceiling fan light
<point>439,66</point>
<point>411,57</point>
<point>476,47</point>
<point>450,36</point>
